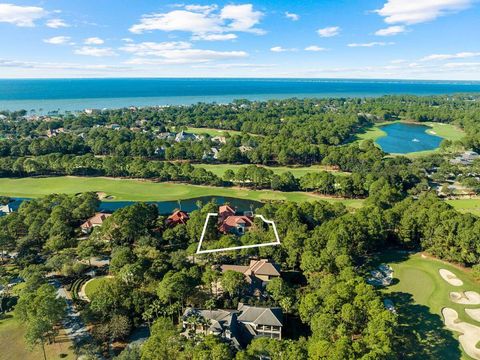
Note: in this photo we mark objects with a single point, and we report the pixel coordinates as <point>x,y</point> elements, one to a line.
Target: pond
<point>167,207</point>
<point>403,138</point>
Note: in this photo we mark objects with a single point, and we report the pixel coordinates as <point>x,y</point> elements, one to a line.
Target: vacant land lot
<point>142,190</point>
<point>12,334</point>
<point>419,294</point>
<point>219,169</point>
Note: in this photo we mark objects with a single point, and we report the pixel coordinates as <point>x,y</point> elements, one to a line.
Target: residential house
<point>178,217</point>
<point>260,270</point>
<point>5,209</point>
<point>2,117</point>
<point>260,322</point>
<point>467,158</point>
<point>243,149</point>
<point>219,139</point>
<point>224,211</point>
<point>221,323</point>
<point>94,221</point>
<point>184,136</point>
<point>236,224</point>
<point>166,136</point>
<point>230,223</point>
<point>239,326</point>
<point>211,154</point>
<point>114,126</point>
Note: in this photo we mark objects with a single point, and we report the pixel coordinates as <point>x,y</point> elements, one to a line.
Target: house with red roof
<point>94,221</point>
<point>178,217</point>
<point>230,223</point>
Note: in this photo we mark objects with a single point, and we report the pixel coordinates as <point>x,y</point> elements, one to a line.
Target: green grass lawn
<point>211,132</point>
<point>419,294</point>
<point>466,205</point>
<point>143,190</point>
<point>12,334</point>
<point>219,169</point>
<point>93,285</point>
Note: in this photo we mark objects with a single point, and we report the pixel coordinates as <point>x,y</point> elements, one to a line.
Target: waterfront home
<point>94,221</point>
<point>5,209</point>
<point>230,223</point>
<point>178,217</point>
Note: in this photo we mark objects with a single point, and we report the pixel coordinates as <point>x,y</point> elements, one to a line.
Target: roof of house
<point>263,267</point>
<point>6,208</point>
<point>256,267</point>
<point>226,209</point>
<point>233,221</point>
<point>260,315</point>
<point>96,219</point>
<point>218,318</point>
<point>178,216</point>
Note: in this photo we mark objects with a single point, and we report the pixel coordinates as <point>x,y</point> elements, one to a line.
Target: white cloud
<point>281,49</point>
<point>314,48</point>
<point>329,31</point>
<point>56,23</point>
<point>460,55</point>
<point>93,41</point>
<point>175,52</point>
<point>463,65</point>
<point>292,16</point>
<point>398,61</point>
<point>418,11</point>
<point>95,51</point>
<point>242,17</point>
<point>58,40</point>
<point>391,30</point>
<point>370,44</point>
<point>23,16</point>
<point>127,40</point>
<point>207,9</point>
<point>214,37</point>
<point>203,21</point>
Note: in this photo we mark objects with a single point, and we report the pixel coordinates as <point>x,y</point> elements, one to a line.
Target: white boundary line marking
<point>209,215</point>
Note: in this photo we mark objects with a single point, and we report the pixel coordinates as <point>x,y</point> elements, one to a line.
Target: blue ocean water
<point>44,95</point>
<point>405,138</point>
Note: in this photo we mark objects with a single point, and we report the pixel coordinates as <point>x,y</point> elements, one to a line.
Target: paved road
<point>74,326</point>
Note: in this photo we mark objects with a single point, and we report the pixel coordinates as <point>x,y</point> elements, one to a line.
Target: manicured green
<point>219,169</point>
<point>446,131</point>
<point>92,285</point>
<point>12,333</point>
<point>143,190</point>
<point>466,205</point>
<point>419,294</point>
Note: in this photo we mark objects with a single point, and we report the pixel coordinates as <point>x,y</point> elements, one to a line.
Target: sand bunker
<point>465,298</point>
<point>470,334</point>
<point>450,277</point>
<point>474,314</point>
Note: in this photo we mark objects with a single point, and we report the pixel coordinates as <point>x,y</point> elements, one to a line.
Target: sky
<point>382,39</point>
